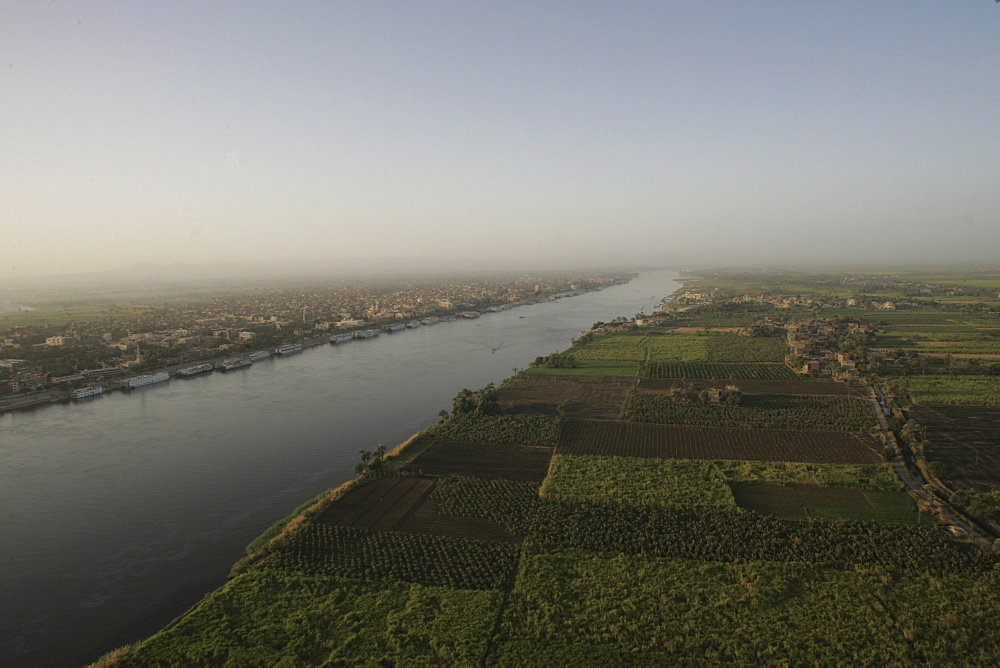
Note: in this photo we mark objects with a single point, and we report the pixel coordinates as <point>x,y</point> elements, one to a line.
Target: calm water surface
<point>120,512</point>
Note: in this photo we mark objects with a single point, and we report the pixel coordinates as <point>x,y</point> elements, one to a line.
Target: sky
<point>543,132</point>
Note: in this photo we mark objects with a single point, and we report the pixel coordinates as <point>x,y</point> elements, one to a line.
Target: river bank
<point>121,512</point>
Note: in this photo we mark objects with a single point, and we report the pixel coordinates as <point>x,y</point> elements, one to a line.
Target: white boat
<point>431,321</point>
<point>289,349</point>
<point>148,379</point>
<point>413,324</point>
<point>342,338</point>
<point>395,328</point>
<point>469,314</point>
<point>192,370</point>
<point>259,355</point>
<point>233,363</point>
<point>367,334</point>
<point>85,392</point>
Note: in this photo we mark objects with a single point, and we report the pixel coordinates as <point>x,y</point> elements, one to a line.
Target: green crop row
<point>502,429</point>
<point>321,549</point>
<point>738,536</point>
<point>757,411</point>
<point>507,502</point>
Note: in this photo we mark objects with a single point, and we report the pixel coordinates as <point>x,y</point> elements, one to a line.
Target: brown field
<point>404,504</point>
<point>381,505</point>
<point>527,463</point>
<point>967,439</point>
<point>822,388</point>
<point>594,397</point>
<point>633,439</point>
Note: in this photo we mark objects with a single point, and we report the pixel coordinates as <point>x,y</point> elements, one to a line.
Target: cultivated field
<point>730,371</point>
<point>631,480</point>
<point>957,390</point>
<point>759,411</point>
<point>593,397</point>
<point>967,440</point>
<point>629,439</point>
<point>380,505</point>
<point>805,501</point>
<point>811,387</point>
<point>513,462</point>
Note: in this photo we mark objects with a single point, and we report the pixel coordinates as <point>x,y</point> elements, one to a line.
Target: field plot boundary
<point>802,502</point>
<point>728,370</point>
<point>633,439</point>
<point>805,387</point>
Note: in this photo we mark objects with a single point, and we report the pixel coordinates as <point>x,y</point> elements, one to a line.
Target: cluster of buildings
<point>822,347</point>
<point>34,358</point>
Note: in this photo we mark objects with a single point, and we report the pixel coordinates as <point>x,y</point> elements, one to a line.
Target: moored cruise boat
<point>413,324</point>
<point>395,328</point>
<point>289,349</point>
<point>367,334</point>
<point>469,314</point>
<point>85,392</point>
<point>259,355</point>
<point>431,321</point>
<point>147,379</point>
<point>233,363</point>
<point>342,338</point>
<point>192,370</point>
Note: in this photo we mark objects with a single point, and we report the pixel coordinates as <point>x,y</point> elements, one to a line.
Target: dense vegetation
<point>504,429</point>
<point>737,536</point>
<point>759,411</point>
<point>876,477</point>
<point>660,482</point>
<point>276,618</point>
<point>623,605</point>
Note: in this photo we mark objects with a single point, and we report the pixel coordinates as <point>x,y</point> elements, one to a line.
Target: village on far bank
<point>60,346</point>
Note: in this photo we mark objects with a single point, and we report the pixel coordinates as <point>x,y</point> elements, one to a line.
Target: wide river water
<point>118,513</point>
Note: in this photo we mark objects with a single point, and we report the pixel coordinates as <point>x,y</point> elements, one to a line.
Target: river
<point>118,513</point>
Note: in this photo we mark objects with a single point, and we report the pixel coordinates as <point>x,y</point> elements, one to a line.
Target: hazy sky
<point>708,131</point>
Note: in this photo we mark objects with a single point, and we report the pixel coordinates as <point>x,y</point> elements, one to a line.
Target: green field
<point>757,411</point>
<point>658,482</point>
<point>729,347</point>
<point>504,429</point>
<point>938,389</point>
<point>270,618</point>
<point>748,614</point>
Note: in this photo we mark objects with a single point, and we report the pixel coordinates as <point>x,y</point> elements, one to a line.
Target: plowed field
<point>967,439</point>
<point>593,397</point>
<point>628,439</point>
<point>483,460</point>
